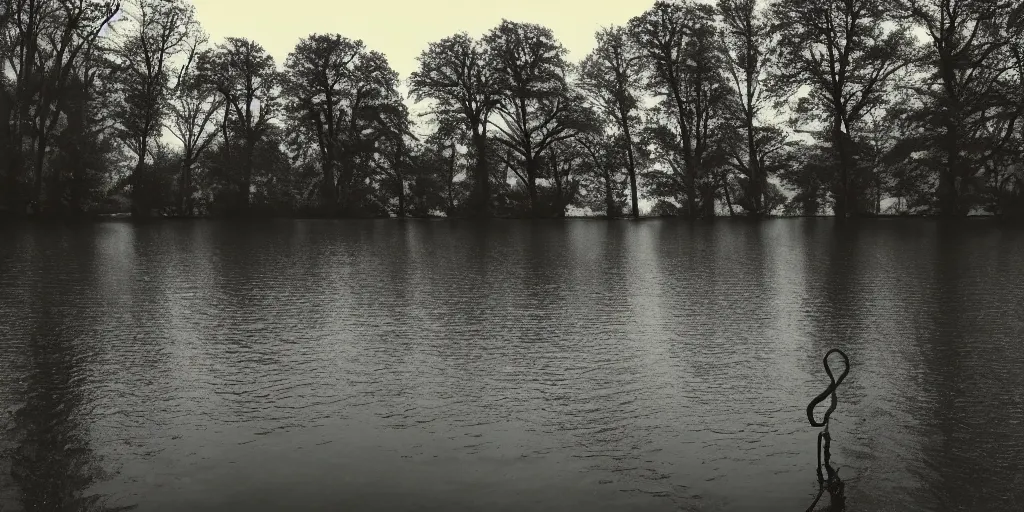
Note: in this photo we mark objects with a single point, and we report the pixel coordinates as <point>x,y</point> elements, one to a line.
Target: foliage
<point>685,72</point>
<point>611,77</point>
<point>747,107</point>
<point>342,99</point>
<point>843,51</point>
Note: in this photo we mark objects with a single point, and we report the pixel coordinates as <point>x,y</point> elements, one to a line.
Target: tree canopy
<point>690,108</point>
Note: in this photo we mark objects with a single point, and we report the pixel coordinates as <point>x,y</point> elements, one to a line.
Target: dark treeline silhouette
<point>743,107</point>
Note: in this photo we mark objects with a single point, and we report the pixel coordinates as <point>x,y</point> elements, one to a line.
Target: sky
<point>401,29</point>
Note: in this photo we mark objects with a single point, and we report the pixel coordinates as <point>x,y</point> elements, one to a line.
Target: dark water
<point>579,365</point>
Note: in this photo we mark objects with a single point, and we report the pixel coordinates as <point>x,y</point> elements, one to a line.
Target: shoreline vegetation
<point>731,108</point>
<point>93,217</point>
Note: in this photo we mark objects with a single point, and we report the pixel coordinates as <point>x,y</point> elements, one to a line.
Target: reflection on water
<point>388,365</point>
<point>49,462</point>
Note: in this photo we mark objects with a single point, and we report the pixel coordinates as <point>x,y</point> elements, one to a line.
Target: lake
<point>507,366</point>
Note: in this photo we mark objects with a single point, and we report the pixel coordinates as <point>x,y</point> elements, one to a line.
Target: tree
<point>537,108</point>
<point>748,45</point>
<point>602,160</point>
<point>343,100</point>
<point>808,176</point>
<point>195,106</point>
<point>684,68</point>
<point>86,146</point>
<point>157,31</point>
<point>1006,173</point>
<point>611,77</point>
<point>378,131</point>
<point>320,89</point>
<point>566,164</point>
<point>434,165</point>
<point>843,51</point>
<point>42,44</point>
<point>968,56</point>
<point>454,74</point>
<point>247,79</point>
<point>441,151</point>
<point>392,159</point>
<point>752,190</point>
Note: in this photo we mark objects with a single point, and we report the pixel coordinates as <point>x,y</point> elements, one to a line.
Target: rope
<point>830,391</point>
<point>823,436</point>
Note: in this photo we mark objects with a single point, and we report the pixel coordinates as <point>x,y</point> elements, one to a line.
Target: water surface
<point>443,365</point>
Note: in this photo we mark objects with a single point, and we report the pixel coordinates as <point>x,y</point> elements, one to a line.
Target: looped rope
<point>830,391</point>
<point>834,484</point>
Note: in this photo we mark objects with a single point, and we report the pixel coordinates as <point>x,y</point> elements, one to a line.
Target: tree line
<point>741,107</point>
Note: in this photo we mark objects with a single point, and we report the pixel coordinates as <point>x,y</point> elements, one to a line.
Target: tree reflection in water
<point>52,465</point>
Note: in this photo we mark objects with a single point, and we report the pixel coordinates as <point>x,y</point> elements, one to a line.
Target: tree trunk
<point>75,130</point>
<point>609,199</point>
<point>37,187</point>
<point>482,186</point>
<point>707,202</point>
<point>631,162</point>
<point>139,207</point>
<point>401,196</point>
<point>45,128</point>
<point>691,194</point>
<point>559,198</point>
<point>753,164</point>
<point>450,210</point>
<point>842,194</point>
<point>245,192</point>
<point>7,156</point>
<point>531,185</point>
<point>763,191</point>
<point>77,190</point>
<point>948,191</point>
<point>728,197</point>
<point>328,188</point>
<point>342,185</point>
<point>185,196</point>
<point>949,196</point>
<point>451,178</point>
<point>12,185</point>
<point>54,195</point>
<point>689,158</point>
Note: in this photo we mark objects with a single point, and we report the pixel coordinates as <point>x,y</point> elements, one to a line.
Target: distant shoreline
<point>125,217</point>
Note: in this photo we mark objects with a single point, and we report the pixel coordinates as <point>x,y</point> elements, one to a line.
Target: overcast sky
<point>401,29</point>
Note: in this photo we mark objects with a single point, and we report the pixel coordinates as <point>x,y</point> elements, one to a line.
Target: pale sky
<point>401,29</point>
